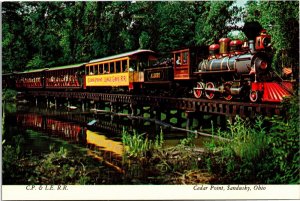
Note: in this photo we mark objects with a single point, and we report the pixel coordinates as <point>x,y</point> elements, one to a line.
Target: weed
<point>263,151</point>
<point>137,145</point>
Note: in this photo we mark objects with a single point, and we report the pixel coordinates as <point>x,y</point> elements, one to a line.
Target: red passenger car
<point>64,77</point>
<point>32,79</point>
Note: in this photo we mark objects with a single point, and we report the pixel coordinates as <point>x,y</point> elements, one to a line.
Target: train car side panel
<point>111,80</point>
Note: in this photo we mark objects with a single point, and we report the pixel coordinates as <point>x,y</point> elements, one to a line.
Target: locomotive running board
<point>274,92</point>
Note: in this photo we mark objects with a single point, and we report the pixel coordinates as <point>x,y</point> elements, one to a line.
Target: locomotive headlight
<point>266,42</point>
<point>263,65</point>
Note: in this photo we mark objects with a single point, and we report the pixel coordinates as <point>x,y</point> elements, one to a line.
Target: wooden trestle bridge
<point>190,113</point>
<point>157,103</point>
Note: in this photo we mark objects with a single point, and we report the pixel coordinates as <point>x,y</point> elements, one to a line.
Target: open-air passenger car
<point>123,70</point>
<point>32,79</point>
<point>65,77</point>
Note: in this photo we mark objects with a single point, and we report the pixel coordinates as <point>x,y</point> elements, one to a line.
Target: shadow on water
<point>42,128</point>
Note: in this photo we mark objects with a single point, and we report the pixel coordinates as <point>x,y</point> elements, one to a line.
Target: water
<point>84,134</point>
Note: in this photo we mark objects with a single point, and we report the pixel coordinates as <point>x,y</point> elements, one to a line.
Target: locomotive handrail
<point>164,67</point>
<point>211,72</point>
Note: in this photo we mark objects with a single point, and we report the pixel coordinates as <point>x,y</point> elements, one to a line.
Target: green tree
<point>175,25</point>
<point>142,24</point>
<point>215,20</point>
<point>281,19</point>
<point>14,42</point>
<point>73,38</point>
<point>43,25</point>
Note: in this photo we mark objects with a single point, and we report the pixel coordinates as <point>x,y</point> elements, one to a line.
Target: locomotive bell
<point>245,45</point>
<point>224,45</point>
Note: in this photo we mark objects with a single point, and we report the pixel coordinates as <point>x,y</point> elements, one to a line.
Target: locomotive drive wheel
<point>209,94</point>
<point>254,96</point>
<point>227,94</point>
<point>197,90</point>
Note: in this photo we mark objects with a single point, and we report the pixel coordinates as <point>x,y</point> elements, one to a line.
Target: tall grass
<point>235,160</point>
<point>265,150</point>
<point>247,141</point>
<point>137,145</point>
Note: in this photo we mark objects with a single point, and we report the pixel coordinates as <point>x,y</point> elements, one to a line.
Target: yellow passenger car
<point>123,70</point>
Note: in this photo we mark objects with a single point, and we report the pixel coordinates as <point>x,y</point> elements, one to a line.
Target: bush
<point>284,145</point>
<point>259,153</point>
<point>9,95</point>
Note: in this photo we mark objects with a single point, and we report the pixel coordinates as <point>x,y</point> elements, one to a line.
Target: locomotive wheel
<point>254,96</point>
<point>198,92</point>
<point>227,94</point>
<point>209,94</point>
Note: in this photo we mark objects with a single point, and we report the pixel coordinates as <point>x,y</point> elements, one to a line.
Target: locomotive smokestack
<point>252,29</point>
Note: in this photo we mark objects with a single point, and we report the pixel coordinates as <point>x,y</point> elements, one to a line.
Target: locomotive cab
<point>185,62</point>
<point>181,63</point>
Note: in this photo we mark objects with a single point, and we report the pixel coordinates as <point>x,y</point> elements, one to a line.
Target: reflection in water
<point>64,130</point>
<point>71,130</point>
<point>103,143</point>
<point>99,146</point>
<point>111,151</point>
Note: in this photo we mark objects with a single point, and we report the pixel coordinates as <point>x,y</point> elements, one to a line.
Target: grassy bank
<point>264,150</point>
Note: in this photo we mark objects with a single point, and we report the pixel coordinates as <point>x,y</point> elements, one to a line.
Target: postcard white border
<point>147,192</point>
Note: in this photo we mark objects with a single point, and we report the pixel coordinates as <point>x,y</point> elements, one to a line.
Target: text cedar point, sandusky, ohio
<point>229,187</point>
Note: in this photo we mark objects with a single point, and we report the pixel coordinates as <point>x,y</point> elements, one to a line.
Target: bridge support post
<point>112,107</point>
<point>230,119</point>
<point>47,102</point>
<point>222,121</point>
<point>180,119</point>
<point>112,110</point>
<point>157,117</point>
<point>199,117</point>
<point>133,109</point>
<point>189,120</point>
<point>55,103</point>
<point>168,116</point>
<point>83,105</point>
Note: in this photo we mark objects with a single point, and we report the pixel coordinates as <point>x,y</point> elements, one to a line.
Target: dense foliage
<point>281,19</point>
<point>264,152</point>
<point>45,34</point>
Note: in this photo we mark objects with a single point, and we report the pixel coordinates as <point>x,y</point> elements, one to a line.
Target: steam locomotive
<point>230,69</point>
<point>235,70</point>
